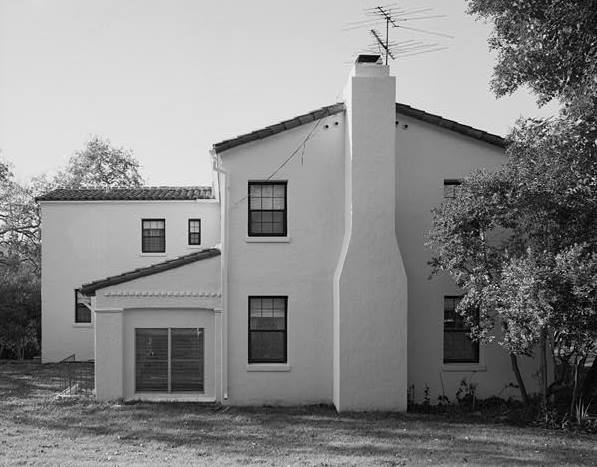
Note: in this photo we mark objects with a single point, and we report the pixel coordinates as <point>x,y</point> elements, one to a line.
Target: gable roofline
<point>143,193</point>
<point>91,287</point>
<point>452,125</point>
<point>279,127</point>
<point>403,109</point>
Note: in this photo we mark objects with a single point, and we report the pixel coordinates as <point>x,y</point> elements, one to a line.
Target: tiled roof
<point>450,125</point>
<point>91,287</point>
<point>337,108</point>
<point>279,127</point>
<point>129,194</point>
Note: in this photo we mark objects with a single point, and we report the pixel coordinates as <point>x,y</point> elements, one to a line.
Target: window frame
<point>77,308</point>
<point>170,360</point>
<point>189,243</point>
<point>284,359</point>
<point>142,235</point>
<point>455,182</point>
<point>476,360</point>
<point>284,232</point>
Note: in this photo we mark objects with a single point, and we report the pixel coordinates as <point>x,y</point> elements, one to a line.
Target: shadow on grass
<point>303,433</point>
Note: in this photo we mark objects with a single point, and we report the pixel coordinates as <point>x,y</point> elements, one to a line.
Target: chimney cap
<point>368,58</point>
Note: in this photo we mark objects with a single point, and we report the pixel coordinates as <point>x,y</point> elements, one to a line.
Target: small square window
<point>268,329</point>
<point>82,308</point>
<point>267,209</point>
<point>194,231</point>
<point>451,187</point>
<point>458,345</point>
<point>153,236</point>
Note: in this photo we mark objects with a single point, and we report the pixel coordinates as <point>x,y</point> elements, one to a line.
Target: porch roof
<point>91,287</point>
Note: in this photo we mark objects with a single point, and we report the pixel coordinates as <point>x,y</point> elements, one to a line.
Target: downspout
<point>224,215</point>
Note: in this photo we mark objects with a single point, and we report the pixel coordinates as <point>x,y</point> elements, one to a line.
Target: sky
<point>169,78</point>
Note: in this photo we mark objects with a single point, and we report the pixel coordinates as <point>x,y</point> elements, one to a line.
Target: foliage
<point>20,305</point>
<point>100,165</point>
<point>548,45</point>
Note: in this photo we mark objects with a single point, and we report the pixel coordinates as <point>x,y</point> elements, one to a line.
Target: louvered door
<point>169,359</point>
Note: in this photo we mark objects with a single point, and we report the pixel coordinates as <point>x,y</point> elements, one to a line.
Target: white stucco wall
<point>426,155</point>
<point>300,266</point>
<point>86,241</point>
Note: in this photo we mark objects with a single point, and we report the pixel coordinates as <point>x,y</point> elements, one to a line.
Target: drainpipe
<point>224,216</point>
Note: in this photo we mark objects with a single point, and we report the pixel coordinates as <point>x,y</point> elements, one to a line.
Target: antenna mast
<point>393,16</point>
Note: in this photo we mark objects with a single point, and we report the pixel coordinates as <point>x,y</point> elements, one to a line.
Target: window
<point>267,209</point>
<point>194,231</point>
<point>451,187</point>
<point>169,359</point>
<point>267,329</point>
<point>82,308</point>
<point>153,236</point>
<point>458,346</point>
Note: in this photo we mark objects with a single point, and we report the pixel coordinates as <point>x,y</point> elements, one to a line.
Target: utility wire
<point>300,147</point>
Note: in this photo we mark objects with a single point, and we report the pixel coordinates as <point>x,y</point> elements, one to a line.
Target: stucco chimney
<point>370,294</point>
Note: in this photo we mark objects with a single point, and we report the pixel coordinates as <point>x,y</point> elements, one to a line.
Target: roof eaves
<point>91,287</point>
<point>452,125</point>
<point>278,127</point>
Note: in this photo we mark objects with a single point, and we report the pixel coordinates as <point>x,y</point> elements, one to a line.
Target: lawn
<point>38,428</point>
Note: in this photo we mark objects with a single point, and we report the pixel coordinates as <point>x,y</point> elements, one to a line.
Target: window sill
<point>152,254</point>
<point>267,239</point>
<point>267,367</point>
<point>172,397</point>
<point>195,247</point>
<point>82,325</point>
<point>463,367</point>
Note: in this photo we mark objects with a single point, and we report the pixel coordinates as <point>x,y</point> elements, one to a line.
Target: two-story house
<point>310,284</point>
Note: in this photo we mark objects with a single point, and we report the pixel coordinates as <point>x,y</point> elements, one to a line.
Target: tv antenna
<point>392,16</point>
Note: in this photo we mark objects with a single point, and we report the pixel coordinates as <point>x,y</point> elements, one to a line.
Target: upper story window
<point>194,231</point>
<point>451,187</point>
<point>267,329</point>
<point>82,308</point>
<point>153,236</point>
<point>458,345</point>
<point>267,209</point>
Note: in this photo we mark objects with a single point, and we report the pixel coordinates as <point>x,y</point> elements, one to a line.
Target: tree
<point>548,45</point>
<point>510,238</point>
<point>20,303</point>
<point>100,165</point>
<point>19,223</point>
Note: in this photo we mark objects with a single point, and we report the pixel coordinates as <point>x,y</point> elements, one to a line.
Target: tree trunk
<point>574,390</point>
<point>523,390</point>
<point>589,387</point>
<point>544,366</point>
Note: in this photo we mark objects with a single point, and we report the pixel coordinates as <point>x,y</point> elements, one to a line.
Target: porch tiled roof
<point>149,193</point>
<point>91,287</point>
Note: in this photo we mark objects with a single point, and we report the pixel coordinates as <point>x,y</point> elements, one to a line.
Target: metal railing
<point>76,378</point>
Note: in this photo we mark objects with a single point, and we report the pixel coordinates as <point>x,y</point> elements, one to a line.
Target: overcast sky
<point>169,78</point>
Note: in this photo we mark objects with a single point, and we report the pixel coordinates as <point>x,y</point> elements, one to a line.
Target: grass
<point>38,428</point>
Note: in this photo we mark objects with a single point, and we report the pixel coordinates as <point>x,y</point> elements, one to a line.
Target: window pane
<point>267,191</point>
<point>255,202</point>
<point>151,360</point>
<point>280,191</point>
<point>82,314</point>
<point>267,203</point>
<point>268,346</point>
<point>458,346</point>
<point>278,203</point>
<point>187,353</point>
